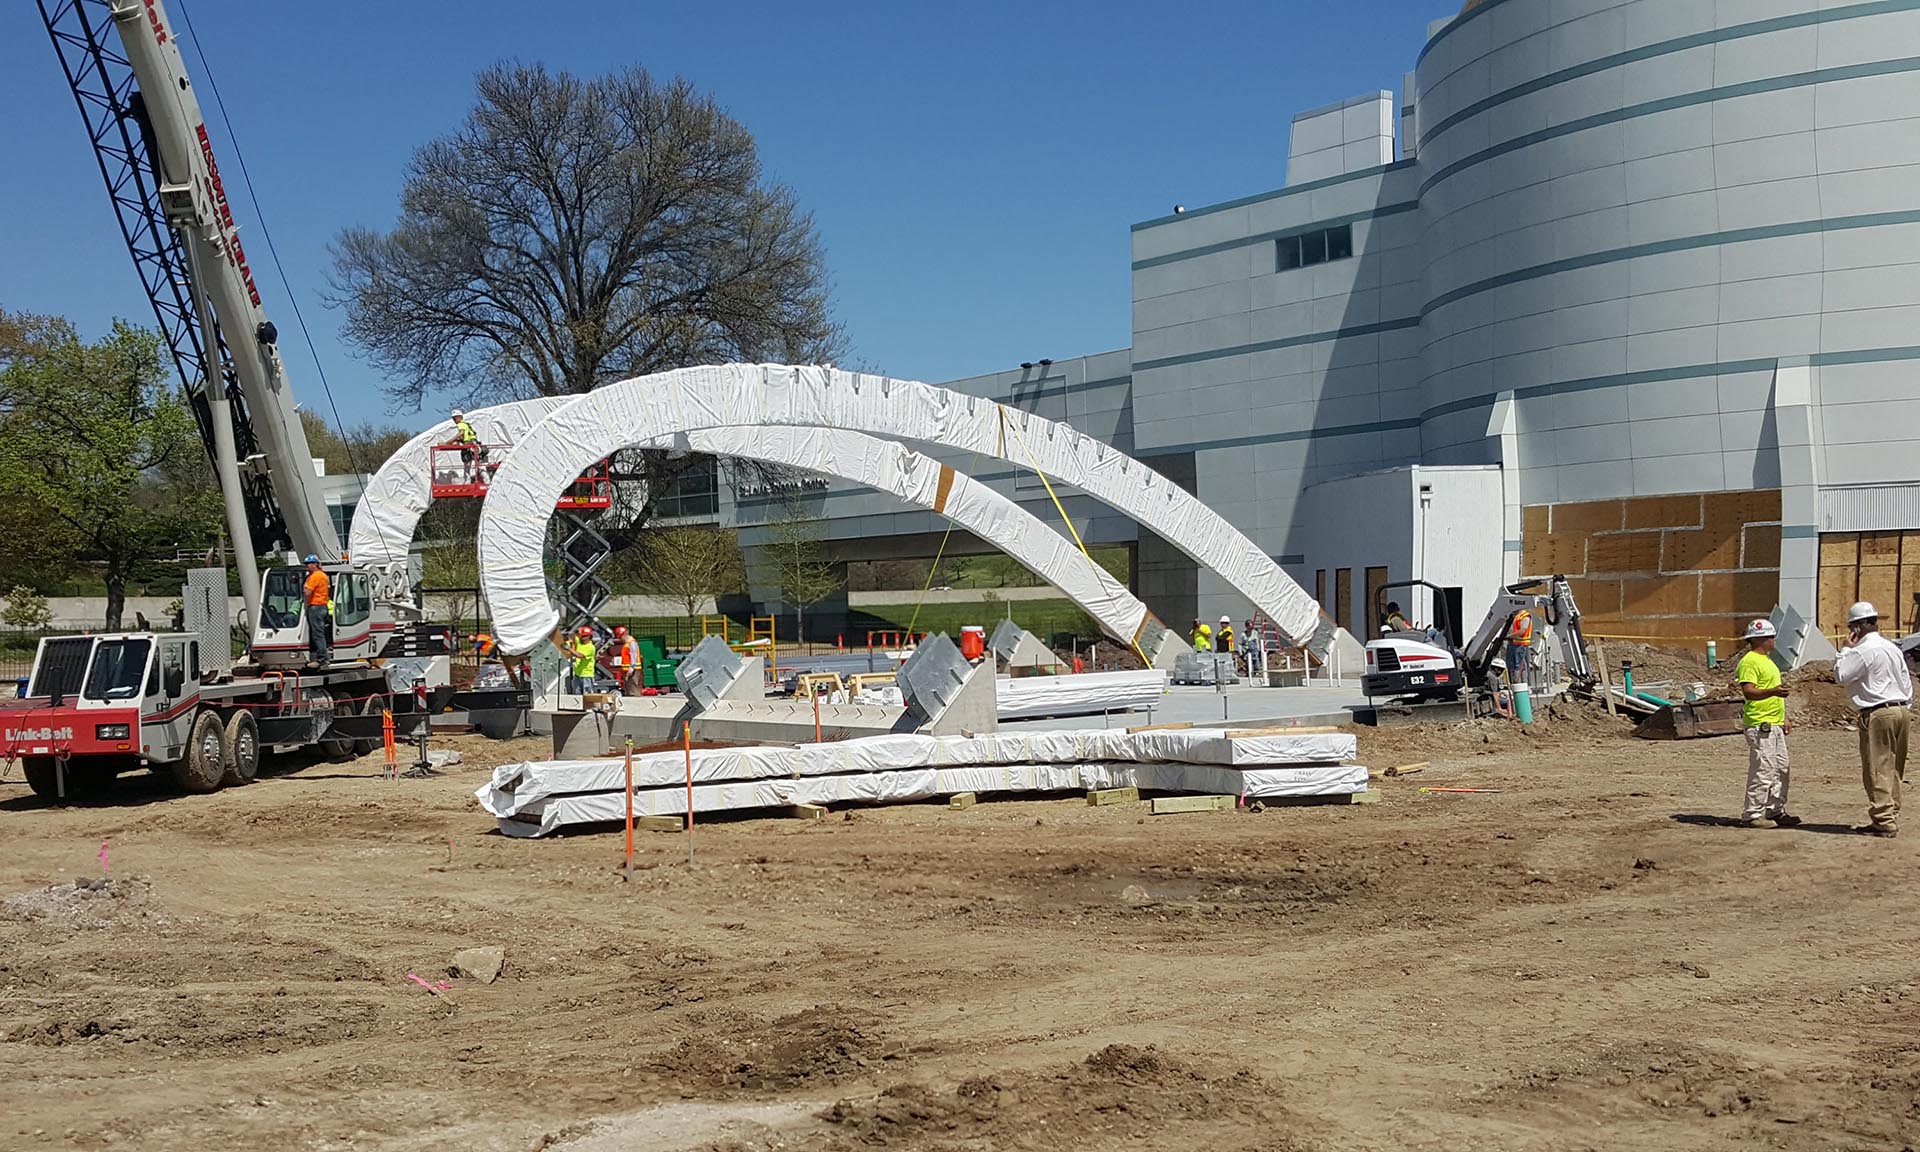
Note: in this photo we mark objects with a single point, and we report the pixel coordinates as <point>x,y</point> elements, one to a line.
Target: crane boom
<point>158,161</point>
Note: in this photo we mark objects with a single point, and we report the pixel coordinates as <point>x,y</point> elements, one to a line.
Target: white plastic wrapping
<point>401,490</point>
<point>514,788</point>
<point>909,784</point>
<point>572,437</point>
<point>1083,694</point>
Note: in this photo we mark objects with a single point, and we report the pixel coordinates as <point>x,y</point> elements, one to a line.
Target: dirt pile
<point>821,1045</point>
<point>1817,699</point>
<point>1112,1099</point>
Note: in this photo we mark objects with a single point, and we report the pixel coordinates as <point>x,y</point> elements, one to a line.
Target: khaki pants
<point>1767,773</point>
<point>1883,761</point>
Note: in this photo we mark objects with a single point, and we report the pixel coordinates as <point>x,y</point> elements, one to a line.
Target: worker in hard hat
<point>469,443</point>
<point>318,595</point>
<point>1874,672</point>
<point>1764,717</point>
<point>582,655</point>
<point>624,661</point>
<point>1202,636</point>
<point>1223,635</point>
<point>1519,646</point>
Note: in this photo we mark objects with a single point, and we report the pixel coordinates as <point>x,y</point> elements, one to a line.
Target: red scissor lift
<point>465,470</point>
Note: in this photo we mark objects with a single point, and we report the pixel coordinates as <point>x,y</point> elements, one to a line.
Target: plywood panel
<point>1881,585</point>
<point>1533,521</point>
<point>1910,549</point>
<point>1343,598</point>
<point>1601,598</point>
<point>1877,548</point>
<point>1762,548</point>
<point>1624,552</point>
<point>1591,516</point>
<point>1691,551</point>
<point>1837,586</point>
<point>1661,596</point>
<point>1369,608</point>
<point>1910,597</point>
<point>1839,548</point>
<point>1556,554</point>
<point>1742,592</point>
<point>1663,512</point>
<point>1730,508</point>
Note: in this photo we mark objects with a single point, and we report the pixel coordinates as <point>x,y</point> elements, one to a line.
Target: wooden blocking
<point>807,812</point>
<point>1408,769</point>
<point>1163,805</point>
<point>1161,727</point>
<point>660,823</point>
<point>1101,797</point>
<point>960,801</point>
<point>1284,730</point>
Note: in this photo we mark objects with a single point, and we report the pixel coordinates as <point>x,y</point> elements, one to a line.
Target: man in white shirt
<point>1874,672</point>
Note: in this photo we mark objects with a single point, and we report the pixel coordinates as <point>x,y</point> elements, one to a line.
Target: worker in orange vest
<point>1519,646</point>
<point>625,661</point>
<point>319,601</point>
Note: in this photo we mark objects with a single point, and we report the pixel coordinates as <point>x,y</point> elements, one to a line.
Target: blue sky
<point>973,168</point>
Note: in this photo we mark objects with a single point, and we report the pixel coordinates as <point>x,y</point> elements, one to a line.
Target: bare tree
<point>797,545</point>
<point>692,563</point>
<point>575,231</point>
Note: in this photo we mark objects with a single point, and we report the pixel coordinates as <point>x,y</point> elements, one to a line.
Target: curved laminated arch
<point>401,491</point>
<point>521,498</point>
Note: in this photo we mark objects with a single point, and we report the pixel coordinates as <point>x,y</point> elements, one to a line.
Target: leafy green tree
<point>98,452</point>
<point>797,546</point>
<point>26,610</point>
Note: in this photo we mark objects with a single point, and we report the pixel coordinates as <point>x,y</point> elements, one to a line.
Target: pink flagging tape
<point>103,857</point>
<point>431,986</point>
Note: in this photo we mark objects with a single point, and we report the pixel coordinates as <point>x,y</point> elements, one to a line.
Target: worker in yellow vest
<point>1202,637</point>
<point>582,654</point>
<point>1223,635</point>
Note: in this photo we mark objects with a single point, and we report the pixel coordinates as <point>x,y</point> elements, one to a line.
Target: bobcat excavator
<point>1422,664</point>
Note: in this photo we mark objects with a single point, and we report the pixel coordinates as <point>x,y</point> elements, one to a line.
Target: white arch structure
<point>401,491</point>
<point>555,451</point>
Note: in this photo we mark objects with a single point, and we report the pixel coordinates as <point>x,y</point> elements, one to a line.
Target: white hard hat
<point>1225,619</point>
<point>1760,630</point>
<point>458,412</point>
<point>1862,610</point>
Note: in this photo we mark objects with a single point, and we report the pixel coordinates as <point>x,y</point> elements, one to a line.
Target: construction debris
<point>482,964</point>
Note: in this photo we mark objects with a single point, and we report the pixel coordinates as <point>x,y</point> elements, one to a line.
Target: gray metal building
<point>1658,260</point>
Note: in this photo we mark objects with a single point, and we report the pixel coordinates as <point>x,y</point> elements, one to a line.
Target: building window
<point>1309,248</point>
<point>695,492</point>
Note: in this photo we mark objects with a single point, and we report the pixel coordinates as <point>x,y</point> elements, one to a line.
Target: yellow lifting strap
<point>1057,506</point>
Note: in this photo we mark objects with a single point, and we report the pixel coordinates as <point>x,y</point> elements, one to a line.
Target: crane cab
<point>360,625</point>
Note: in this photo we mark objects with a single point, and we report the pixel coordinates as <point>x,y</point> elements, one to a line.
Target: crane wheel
<point>243,749</point>
<point>42,778</point>
<point>205,763</point>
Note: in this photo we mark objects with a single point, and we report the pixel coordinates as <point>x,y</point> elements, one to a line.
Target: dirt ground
<point>1590,958</point>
